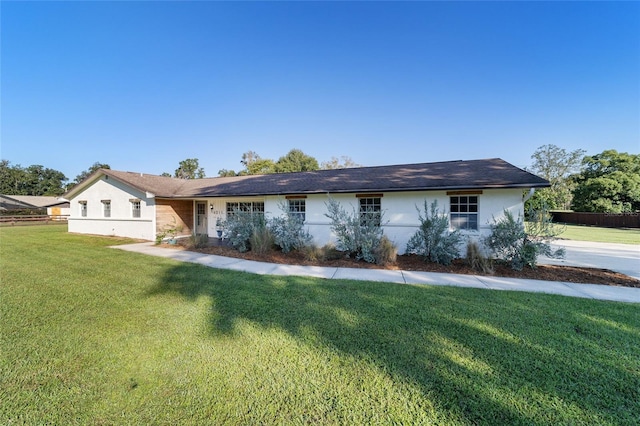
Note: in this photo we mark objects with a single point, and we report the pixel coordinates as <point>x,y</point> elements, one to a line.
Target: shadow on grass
<point>480,356</point>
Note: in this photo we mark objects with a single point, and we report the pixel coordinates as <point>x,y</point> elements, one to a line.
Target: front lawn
<point>600,235</point>
<point>92,335</point>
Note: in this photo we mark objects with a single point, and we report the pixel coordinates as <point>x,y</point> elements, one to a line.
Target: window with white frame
<point>298,208</point>
<point>256,207</point>
<point>106,208</point>
<point>370,209</point>
<point>464,212</point>
<point>135,208</point>
<point>83,208</point>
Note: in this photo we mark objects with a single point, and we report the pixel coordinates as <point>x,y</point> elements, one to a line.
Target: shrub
<point>288,231</point>
<point>356,237</point>
<point>477,259</point>
<point>386,252</point>
<point>261,240</point>
<point>510,243</point>
<point>239,228</point>
<point>433,240</point>
<point>198,241</point>
<point>331,252</point>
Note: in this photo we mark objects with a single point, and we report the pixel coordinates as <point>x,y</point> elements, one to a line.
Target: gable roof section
<point>449,175</point>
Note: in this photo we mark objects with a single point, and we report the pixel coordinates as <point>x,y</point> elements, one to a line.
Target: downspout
<point>528,195</point>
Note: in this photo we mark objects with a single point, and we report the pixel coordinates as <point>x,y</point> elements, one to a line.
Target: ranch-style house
<point>137,205</point>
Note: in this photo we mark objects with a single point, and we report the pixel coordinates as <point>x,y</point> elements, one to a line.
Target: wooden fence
<point>607,220</point>
<point>25,219</point>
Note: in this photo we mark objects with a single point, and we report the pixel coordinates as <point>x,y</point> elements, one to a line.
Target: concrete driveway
<point>624,258</point>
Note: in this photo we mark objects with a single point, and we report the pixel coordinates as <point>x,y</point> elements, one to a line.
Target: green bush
<point>239,228</point>
<point>288,231</point>
<point>433,240</point>
<point>358,237</point>
<point>510,242</point>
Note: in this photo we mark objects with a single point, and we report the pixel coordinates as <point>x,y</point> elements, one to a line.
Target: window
<point>135,208</point>
<point>249,207</point>
<point>464,212</point>
<point>370,210</point>
<point>106,208</point>
<point>297,208</point>
<point>83,208</point>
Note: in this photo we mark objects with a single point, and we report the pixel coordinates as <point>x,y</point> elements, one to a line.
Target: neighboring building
<point>138,205</point>
<point>56,207</point>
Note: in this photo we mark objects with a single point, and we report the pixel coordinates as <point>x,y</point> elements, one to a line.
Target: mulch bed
<point>415,263</point>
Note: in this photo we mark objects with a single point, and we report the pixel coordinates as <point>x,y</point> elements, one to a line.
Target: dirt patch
<point>415,263</point>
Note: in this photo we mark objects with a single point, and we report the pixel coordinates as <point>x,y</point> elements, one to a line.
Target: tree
<point>226,173</point>
<point>608,183</point>
<point>85,174</point>
<point>296,161</point>
<point>335,163</point>
<point>33,180</point>
<point>260,166</point>
<point>45,181</point>
<point>189,169</point>
<point>12,179</point>
<point>555,165</point>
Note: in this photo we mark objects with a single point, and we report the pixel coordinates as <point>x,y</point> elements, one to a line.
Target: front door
<point>201,217</point>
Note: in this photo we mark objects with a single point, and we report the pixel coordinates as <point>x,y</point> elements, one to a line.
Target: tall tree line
<point>608,182</point>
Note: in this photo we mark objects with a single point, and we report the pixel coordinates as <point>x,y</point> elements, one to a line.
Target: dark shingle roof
<point>449,175</point>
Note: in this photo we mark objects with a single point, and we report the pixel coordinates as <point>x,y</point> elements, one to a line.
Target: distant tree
<point>256,165</point>
<point>556,165</point>
<point>296,161</point>
<point>249,158</point>
<point>165,174</point>
<point>12,178</point>
<point>226,173</point>
<point>609,183</point>
<point>45,181</point>
<point>260,166</point>
<point>189,169</point>
<point>33,180</point>
<point>343,162</point>
<point>85,174</point>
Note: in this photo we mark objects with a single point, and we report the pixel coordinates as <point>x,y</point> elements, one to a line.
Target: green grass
<point>93,335</point>
<point>601,235</point>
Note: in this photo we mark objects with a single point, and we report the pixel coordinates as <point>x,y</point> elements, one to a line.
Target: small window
<point>106,208</point>
<point>297,208</point>
<point>83,208</point>
<point>370,211</point>
<point>464,212</point>
<point>135,208</point>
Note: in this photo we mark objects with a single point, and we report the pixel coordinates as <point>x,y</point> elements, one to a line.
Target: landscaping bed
<point>459,266</point>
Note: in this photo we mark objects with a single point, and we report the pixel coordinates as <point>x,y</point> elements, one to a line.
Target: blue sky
<point>144,85</point>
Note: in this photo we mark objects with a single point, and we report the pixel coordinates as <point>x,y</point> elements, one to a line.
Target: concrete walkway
<point>589,291</point>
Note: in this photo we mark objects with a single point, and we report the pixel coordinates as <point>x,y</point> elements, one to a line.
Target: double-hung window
<point>370,209</point>
<point>297,207</point>
<point>135,208</point>
<point>106,208</point>
<point>464,212</point>
<point>83,208</point>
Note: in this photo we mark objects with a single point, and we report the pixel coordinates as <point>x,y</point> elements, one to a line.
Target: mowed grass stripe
<point>92,335</point>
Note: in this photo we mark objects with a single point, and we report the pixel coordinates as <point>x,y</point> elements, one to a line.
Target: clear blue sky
<point>144,85</point>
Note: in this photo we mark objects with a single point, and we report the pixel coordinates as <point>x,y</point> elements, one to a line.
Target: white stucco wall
<point>121,223</point>
<point>400,216</point>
